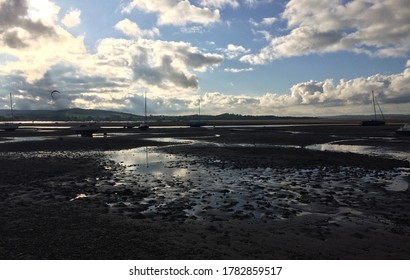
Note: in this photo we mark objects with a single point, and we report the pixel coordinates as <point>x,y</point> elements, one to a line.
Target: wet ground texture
<point>242,193</point>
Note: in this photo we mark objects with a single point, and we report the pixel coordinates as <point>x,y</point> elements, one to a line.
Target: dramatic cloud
<point>166,64</point>
<point>132,29</point>
<point>347,94</point>
<point>169,12</point>
<point>372,27</point>
<point>21,23</point>
<point>38,54</point>
<point>105,79</point>
<point>72,18</point>
<point>311,98</point>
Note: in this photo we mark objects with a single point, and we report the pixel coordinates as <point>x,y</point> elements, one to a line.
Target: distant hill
<point>77,114</point>
<point>364,117</point>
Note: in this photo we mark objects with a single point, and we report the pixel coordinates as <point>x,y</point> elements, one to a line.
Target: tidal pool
<point>361,149</point>
<point>198,188</point>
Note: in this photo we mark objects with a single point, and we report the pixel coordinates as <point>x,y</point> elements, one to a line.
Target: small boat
<point>375,121</point>
<point>143,126</point>
<point>197,124</point>
<point>10,126</point>
<point>86,129</point>
<point>130,125</point>
<point>404,130</point>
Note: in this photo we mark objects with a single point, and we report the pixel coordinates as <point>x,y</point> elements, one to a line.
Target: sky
<point>266,57</point>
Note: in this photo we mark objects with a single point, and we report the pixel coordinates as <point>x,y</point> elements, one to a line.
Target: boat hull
<point>86,130</point>
<point>8,127</point>
<point>143,126</point>
<point>372,123</point>
<point>197,124</point>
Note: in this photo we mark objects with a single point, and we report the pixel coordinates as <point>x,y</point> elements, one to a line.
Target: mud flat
<point>297,192</point>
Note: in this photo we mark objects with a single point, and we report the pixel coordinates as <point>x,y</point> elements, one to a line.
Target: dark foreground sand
<point>64,198</point>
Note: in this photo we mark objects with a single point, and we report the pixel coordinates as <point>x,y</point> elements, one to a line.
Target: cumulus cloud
<point>371,27</point>
<point>21,22</point>
<point>254,3</point>
<point>238,70</point>
<point>38,55</point>
<point>264,22</point>
<point>30,35</point>
<point>232,51</point>
<point>219,3</point>
<point>169,12</point>
<point>311,98</point>
<point>104,79</point>
<point>72,18</point>
<point>166,64</point>
<point>132,29</point>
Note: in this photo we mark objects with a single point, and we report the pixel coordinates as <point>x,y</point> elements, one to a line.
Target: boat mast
<point>11,108</point>
<point>145,106</point>
<point>374,105</point>
<point>381,112</point>
<point>199,110</point>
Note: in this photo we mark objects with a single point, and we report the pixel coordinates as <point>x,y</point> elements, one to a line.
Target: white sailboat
<point>10,126</point>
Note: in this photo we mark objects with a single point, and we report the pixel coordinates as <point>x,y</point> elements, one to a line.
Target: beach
<point>311,191</point>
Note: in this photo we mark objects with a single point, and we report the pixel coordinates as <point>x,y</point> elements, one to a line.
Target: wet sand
<point>218,193</point>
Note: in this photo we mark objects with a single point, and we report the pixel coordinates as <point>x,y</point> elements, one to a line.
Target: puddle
<point>79,196</point>
<point>173,140</point>
<point>178,186</point>
<point>361,149</point>
<point>25,139</point>
<point>399,184</point>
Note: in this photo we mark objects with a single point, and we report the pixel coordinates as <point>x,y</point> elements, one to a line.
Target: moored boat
<point>404,130</point>
<point>86,129</point>
<point>375,121</point>
<point>10,126</point>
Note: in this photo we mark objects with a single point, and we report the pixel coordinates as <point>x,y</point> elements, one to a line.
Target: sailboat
<point>375,121</point>
<point>10,126</point>
<point>144,125</point>
<point>198,123</point>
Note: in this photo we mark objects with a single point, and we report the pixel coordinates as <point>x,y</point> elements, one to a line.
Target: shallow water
<point>198,188</point>
<point>361,149</point>
<point>25,139</point>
